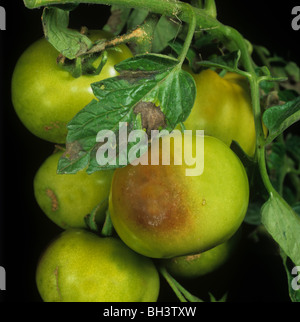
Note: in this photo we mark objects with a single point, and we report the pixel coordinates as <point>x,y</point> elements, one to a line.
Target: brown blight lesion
<point>152,116</point>
<point>152,200</point>
<point>54,201</point>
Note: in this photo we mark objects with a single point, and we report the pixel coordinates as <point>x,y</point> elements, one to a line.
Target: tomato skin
<point>160,212</point>
<point>80,266</point>
<point>46,97</point>
<point>66,199</point>
<point>202,264</point>
<point>223,109</point>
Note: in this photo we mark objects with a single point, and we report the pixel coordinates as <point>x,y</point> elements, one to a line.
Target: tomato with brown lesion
<point>160,212</point>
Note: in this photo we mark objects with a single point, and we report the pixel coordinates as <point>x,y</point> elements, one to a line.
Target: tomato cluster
<point>161,216</point>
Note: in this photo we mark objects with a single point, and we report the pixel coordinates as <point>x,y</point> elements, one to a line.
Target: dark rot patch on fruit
<point>152,199</point>
<point>54,201</point>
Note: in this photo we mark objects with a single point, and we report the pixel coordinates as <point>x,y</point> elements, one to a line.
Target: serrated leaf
<point>283,224</point>
<point>70,43</point>
<point>227,62</point>
<point>147,63</point>
<point>191,55</point>
<point>278,118</point>
<point>147,84</point>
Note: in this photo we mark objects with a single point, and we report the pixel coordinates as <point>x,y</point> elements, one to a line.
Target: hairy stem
<point>172,283</point>
<point>189,37</point>
<point>141,36</point>
<point>260,140</point>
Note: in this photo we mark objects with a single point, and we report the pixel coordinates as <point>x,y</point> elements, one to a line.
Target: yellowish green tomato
<point>67,198</point>
<point>223,109</point>
<point>46,97</point>
<point>80,266</point>
<point>200,264</point>
<point>160,212</point>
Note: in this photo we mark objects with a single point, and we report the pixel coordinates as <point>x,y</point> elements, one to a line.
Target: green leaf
<point>287,95</point>
<point>164,32</point>
<point>117,20</point>
<point>253,216</point>
<point>147,63</point>
<point>70,43</point>
<point>296,208</point>
<point>151,92</point>
<point>294,294</point>
<point>278,118</point>
<point>277,164</point>
<point>136,18</point>
<point>191,55</point>
<point>228,62</point>
<point>283,224</point>
<point>206,41</point>
<point>292,145</point>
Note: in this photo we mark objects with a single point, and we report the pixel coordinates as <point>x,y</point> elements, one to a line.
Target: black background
<point>24,230</point>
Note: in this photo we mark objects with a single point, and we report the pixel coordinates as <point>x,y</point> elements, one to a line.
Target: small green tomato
<point>80,266</point>
<point>67,198</point>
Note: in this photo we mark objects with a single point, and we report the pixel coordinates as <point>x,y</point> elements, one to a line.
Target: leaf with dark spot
<point>151,92</point>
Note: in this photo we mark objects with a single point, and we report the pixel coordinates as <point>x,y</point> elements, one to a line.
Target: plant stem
<point>210,7</point>
<point>260,141</point>
<point>142,36</point>
<point>189,37</point>
<point>172,284</point>
<point>173,8</point>
<point>107,228</point>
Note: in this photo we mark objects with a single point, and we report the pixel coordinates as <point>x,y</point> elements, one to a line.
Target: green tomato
<point>67,198</point>
<point>80,266</point>
<point>160,212</point>
<point>223,109</point>
<point>46,97</point>
<point>200,264</point>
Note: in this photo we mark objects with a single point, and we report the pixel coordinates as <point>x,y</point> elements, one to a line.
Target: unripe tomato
<point>80,266</point>
<point>223,109</point>
<point>200,264</point>
<point>46,97</point>
<point>160,212</point>
<point>67,198</point>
